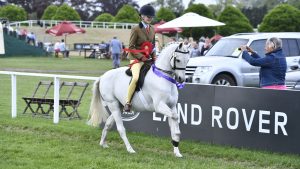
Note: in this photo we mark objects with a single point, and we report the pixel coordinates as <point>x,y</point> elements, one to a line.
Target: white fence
<point>82,24</point>
<point>56,89</point>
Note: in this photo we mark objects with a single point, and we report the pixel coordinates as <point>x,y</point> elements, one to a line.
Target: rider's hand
<point>144,59</point>
<point>154,58</point>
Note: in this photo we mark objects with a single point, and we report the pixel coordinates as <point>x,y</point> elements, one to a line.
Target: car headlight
<point>202,69</point>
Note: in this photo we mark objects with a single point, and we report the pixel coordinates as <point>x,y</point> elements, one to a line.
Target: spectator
<point>195,50</point>
<point>57,48</point>
<point>63,49</point>
<point>31,38</point>
<point>158,46</point>
<point>273,65</point>
<point>124,54</point>
<point>207,45</point>
<point>201,43</point>
<point>116,48</point>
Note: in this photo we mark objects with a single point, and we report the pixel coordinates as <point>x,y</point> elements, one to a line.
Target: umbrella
<point>191,20</point>
<point>165,30</point>
<point>64,28</point>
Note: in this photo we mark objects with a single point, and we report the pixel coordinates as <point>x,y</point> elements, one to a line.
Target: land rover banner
<point>242,117</point>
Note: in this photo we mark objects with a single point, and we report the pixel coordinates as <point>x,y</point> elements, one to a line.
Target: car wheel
<point>224,80</point>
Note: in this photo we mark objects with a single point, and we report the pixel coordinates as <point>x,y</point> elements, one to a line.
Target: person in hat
<point>141,39</point>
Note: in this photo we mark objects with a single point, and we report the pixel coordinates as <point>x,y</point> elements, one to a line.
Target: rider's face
<point>147,19</point>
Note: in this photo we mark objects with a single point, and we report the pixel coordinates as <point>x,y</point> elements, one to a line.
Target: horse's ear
<point>180,45</point>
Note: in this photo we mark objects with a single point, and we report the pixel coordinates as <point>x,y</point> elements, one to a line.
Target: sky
<point>185,2</point>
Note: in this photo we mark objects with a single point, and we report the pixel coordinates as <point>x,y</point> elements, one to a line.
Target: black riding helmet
<point>147,10</point>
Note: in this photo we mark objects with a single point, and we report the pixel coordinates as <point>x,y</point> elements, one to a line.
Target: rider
<point>143,32</point>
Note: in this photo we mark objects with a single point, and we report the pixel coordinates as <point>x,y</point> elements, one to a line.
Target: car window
<point>259,46</point>
<point>293,47</point>
<point>226,47</point>
<point>285,47</point>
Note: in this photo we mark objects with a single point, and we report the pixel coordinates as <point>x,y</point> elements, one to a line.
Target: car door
<point>291,48</point>
<point>251,73</point>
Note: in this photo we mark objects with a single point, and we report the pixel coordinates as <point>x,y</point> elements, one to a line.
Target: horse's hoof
<point>104,145</point>
<point>131,151</point>
<point>177,153</point>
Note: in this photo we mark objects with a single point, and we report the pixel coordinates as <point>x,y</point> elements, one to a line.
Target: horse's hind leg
<point>108,125</point>
<point>116,112</point>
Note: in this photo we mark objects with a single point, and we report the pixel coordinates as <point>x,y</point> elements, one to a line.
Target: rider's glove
<point>143,59</point>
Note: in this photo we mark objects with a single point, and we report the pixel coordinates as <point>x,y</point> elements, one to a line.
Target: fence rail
<point>82,24</point>
<point>56,89</point>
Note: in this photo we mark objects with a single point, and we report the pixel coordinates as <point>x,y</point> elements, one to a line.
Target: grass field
<point>34,142</point>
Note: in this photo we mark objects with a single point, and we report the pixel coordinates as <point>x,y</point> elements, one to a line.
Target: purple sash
<point>172,80</point>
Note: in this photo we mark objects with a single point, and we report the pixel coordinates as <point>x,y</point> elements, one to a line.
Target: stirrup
<point>127,107</point>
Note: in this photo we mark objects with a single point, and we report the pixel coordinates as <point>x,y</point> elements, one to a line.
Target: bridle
<point>171,73</point>
<point>174,67</point>
<point>174,55</point>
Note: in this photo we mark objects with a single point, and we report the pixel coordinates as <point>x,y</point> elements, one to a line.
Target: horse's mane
<point>168,47</point>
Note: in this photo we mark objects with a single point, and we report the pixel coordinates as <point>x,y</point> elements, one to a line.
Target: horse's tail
<point>97,114</point>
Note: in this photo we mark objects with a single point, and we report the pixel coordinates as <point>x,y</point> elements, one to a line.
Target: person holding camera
<point>273,65</point>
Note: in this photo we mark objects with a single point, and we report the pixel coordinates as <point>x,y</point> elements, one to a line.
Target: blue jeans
<point>116,60</point>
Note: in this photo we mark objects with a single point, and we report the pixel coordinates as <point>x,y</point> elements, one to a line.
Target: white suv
<point>223,63</point>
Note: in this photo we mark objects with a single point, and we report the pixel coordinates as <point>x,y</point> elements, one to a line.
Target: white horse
<point>159,94</point>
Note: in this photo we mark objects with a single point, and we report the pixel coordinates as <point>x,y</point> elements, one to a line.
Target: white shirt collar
<point>145,25</point>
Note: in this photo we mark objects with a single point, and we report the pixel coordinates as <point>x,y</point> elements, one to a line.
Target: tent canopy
<point>191,20</point>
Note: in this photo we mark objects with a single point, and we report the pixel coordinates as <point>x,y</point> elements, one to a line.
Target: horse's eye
<point>177,60</point>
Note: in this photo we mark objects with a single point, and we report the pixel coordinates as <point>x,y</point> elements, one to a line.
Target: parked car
<point>292,79</point>
<point>223,63</point>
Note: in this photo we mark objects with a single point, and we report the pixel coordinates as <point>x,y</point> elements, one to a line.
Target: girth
<point>144,69</point>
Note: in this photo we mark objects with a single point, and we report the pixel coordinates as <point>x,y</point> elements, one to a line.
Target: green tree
<point>283,18</point>
<point>196,33</point>
<point>49,12</point>
<point>235,20</point>
<point>127,14</point>
<point>165,14</point>
<point>13,13</point>
<point>35,8</point>
<point>105,17</point>
<point>65,12</point>
<point>175,5</point>
<point>295,3</point>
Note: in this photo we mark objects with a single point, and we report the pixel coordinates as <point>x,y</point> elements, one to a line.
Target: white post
<point>13,96</point>
<point>56,100</point>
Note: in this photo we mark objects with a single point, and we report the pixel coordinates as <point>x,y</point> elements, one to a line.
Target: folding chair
<point>34,99</point>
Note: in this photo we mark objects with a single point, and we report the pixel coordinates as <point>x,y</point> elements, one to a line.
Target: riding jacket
<point>138,36</point>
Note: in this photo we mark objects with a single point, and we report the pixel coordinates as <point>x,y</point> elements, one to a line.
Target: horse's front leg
<point>173,123</point>
<point>115,110</point>
<point>175,133</point>
<point>164,109</point>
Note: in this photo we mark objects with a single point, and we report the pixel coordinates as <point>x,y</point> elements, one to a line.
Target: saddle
<point>144,69</point>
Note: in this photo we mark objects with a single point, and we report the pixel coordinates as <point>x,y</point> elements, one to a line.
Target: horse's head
<point>179,60</point>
